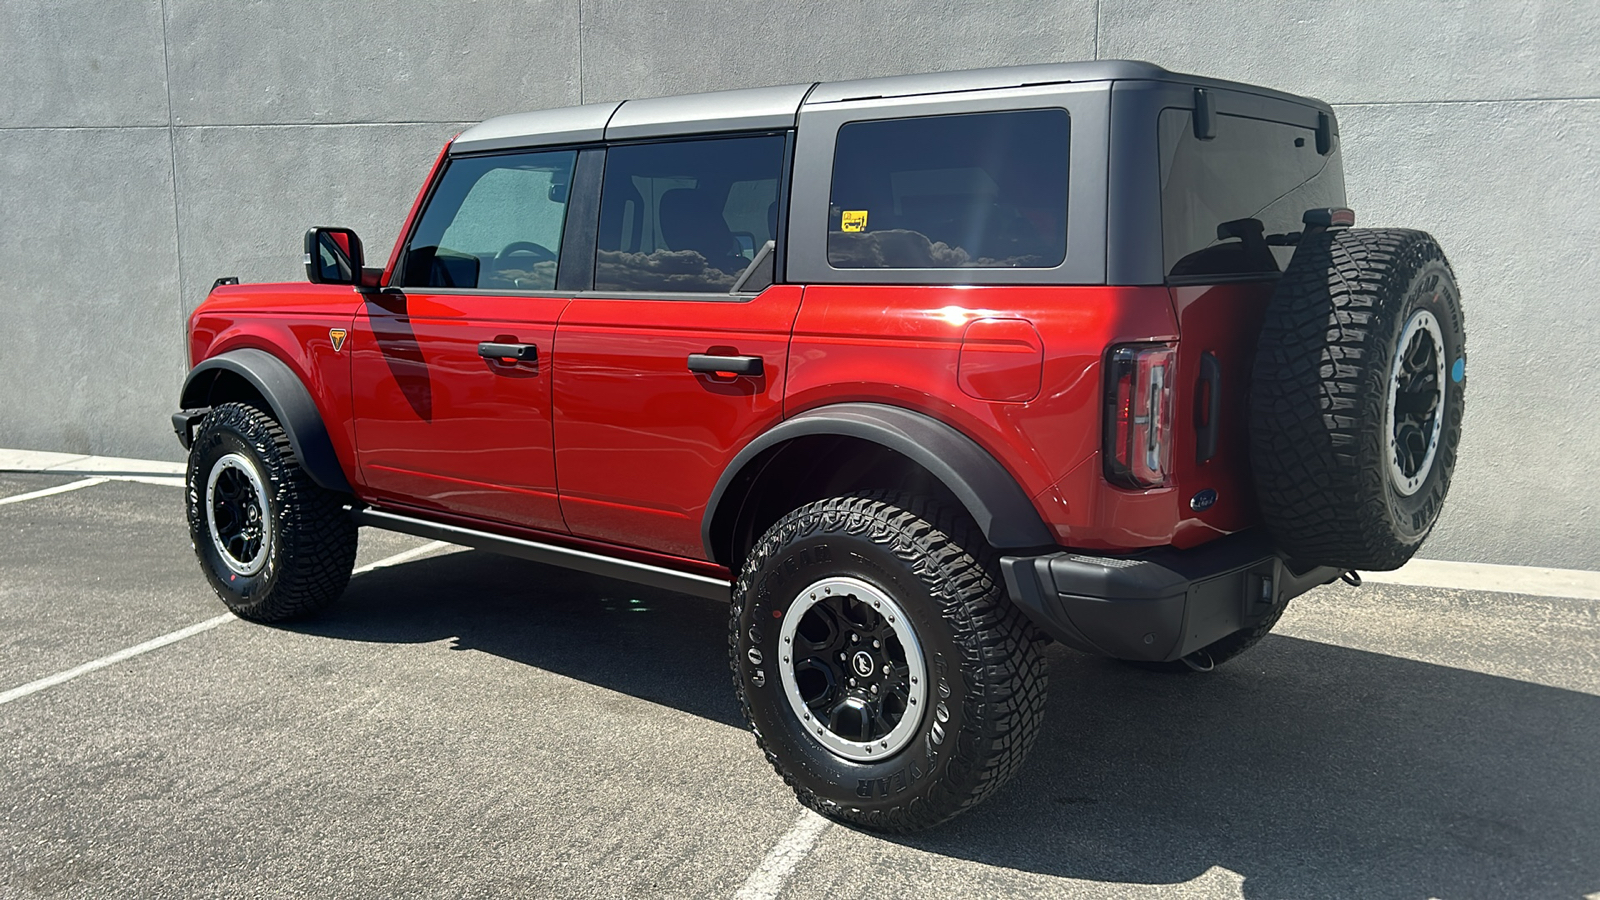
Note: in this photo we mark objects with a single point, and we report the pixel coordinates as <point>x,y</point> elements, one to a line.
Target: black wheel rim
<point>237,515</point>
<point>1416,402</point>
<point>852,669</point>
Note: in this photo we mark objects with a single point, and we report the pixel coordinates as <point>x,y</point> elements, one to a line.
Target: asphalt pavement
<point>467,725</point>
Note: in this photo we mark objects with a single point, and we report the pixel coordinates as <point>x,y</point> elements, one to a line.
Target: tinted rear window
<point>982,190</point>
<point>1267,172</point>
<point>686,215</point>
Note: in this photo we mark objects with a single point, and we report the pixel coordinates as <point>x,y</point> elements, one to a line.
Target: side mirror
<point>333,256</point>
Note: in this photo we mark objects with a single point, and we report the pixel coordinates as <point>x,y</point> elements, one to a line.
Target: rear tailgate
<point>1218,326</point>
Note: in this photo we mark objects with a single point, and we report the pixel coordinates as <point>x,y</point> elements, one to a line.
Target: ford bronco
<point>920,372</point>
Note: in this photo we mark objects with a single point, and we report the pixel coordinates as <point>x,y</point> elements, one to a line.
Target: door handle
<point>736,365</point>
<point>518,352</point>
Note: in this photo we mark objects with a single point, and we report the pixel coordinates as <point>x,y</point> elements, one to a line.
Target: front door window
<point>494,223</point>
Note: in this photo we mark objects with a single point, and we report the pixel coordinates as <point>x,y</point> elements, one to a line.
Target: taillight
<point>1138,429</point>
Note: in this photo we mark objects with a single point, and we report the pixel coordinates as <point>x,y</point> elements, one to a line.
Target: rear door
<point>645,420</point>
<point>451,368</point>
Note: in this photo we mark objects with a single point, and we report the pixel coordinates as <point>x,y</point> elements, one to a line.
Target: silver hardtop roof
<point>546,127</point>
<point>751,109</point>
<point>983,79</point>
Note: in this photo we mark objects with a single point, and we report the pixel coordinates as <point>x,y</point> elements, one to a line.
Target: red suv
<point>921,371</point>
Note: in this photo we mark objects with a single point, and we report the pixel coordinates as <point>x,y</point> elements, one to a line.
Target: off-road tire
<point>1320,397</point>
<point>985,671</point>
<point>312,545</point>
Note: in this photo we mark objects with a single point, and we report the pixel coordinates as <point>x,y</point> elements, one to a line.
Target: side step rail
<point>549,554</point>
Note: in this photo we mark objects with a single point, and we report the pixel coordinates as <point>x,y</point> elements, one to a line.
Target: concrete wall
<point>148,147</point>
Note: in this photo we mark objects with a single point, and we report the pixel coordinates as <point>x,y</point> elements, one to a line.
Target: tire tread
<point>317,539</point>
<point>1002,663</point>
<point>1318,386</point>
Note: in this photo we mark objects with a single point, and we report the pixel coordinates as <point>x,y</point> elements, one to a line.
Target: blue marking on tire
<point>1459,370</point>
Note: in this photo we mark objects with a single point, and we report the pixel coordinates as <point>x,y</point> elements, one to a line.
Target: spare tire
<point>1356,397</point>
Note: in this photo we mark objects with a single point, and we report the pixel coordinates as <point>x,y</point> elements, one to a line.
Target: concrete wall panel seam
<point>1464,102</point>
<point>177,229</point>
<point>82,127</point>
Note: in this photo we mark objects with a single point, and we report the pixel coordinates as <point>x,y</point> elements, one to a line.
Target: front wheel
<point>884,673</point>
<point>274,544</point>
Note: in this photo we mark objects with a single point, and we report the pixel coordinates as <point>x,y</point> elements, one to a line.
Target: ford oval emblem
<point>1203,501</point>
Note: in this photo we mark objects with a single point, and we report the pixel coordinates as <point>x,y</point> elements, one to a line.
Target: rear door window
<point>979,190</point>
<point>493,223</point>
<point>686,215</point>
<point>1253,181</point>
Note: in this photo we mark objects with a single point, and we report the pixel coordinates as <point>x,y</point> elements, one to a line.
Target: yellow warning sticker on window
<point>854,220</point>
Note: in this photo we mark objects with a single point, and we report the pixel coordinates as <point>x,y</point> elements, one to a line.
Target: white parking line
<point>49,681</point>
<point>34,687</point>
<point>407,556</point>
<point>58,489</point>
<point>770,877</point>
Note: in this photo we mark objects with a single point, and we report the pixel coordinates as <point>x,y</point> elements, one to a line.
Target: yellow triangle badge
<point>337,335</point>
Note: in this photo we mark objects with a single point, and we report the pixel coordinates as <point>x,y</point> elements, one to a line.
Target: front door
<point>451,369</point>
<point>649,407</point>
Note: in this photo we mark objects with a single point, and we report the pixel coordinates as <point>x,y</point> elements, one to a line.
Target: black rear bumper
<point>1160,604</point>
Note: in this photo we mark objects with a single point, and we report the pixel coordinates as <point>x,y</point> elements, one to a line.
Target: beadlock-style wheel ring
<point>852,669</point>
<point>1415,412</point>
<point>236,514</point>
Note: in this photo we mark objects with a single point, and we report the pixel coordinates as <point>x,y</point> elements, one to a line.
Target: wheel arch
<point>853,446</point>
<point>248,374</point>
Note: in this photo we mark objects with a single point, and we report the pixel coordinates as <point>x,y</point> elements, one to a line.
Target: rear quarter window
<point>1260,176</point>
<point>979,190</point>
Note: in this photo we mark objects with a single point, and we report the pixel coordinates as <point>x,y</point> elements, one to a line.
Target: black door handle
<point>737,365</point>
<point>518,352</point>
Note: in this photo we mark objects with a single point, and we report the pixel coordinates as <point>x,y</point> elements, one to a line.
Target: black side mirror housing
<point>334,256</point>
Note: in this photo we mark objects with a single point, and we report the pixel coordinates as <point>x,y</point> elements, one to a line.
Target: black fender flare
<point>999,506</point>
<point>291,405</point>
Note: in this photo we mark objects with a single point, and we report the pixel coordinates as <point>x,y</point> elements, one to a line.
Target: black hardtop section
<point>777,107</point>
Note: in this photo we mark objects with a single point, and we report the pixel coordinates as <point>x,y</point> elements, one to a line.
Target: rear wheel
<point>887,678</point>
<point>274,544</point>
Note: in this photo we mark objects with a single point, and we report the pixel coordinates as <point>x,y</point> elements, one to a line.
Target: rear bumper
<point>1159,604</point>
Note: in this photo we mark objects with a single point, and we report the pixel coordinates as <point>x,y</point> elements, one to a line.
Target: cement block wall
<point>147,147</point>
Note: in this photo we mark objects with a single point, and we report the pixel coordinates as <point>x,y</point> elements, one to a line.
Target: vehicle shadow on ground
<point>657,645</point>
<point>1311,770</point>
<point>1314,771</point>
